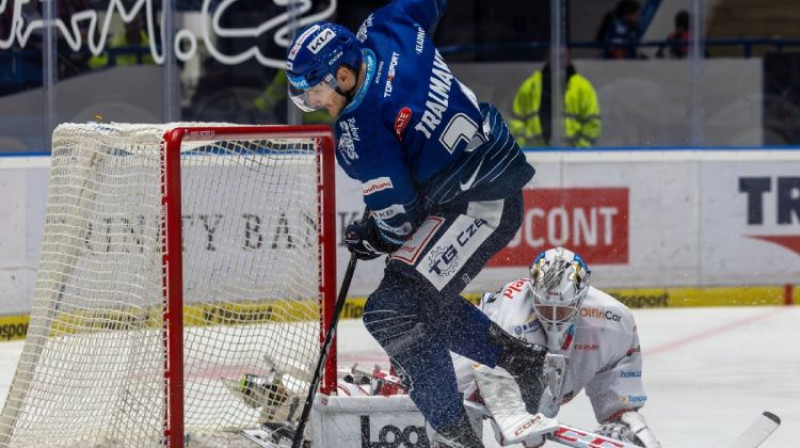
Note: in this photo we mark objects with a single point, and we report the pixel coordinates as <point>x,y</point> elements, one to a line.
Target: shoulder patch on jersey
<point>349,135</point>
<point>376,185</point>
<point>401,121</point>
<point>363,29</point>
<point>419,47</point>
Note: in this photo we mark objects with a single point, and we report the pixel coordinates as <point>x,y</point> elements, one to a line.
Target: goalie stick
<point>758,431</point>
<point>276,436</point>
<point>752,437</point>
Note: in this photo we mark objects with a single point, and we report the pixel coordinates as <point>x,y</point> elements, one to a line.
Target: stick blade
<point>758,431</point>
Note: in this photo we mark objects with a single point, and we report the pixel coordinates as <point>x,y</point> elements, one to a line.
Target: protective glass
<point>315,97</point>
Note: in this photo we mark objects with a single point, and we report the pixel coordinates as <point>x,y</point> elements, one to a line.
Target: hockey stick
<point>578,438</point>
<point>326,346</point>
<point>752,437</point>
<point>758,431</point>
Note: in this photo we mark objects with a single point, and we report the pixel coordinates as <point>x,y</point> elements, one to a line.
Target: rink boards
<point>663,227</point>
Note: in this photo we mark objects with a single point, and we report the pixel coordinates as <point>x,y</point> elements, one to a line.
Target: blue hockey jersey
<point>414,135</point>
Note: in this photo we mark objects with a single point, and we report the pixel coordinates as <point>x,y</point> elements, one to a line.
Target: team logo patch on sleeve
<point>376,185</point>
<point>401,121</point>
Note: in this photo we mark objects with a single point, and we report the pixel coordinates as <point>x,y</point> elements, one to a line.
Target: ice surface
<point>708,372</point>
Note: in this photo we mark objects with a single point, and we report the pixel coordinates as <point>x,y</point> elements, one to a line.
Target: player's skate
<point>458,435</point>
<point>524,361</point>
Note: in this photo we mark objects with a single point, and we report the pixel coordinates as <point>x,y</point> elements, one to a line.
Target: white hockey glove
<point>630,427</point>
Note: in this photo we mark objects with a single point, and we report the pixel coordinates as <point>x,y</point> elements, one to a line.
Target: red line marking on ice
<point>712,332</point>
<point>363,357</point>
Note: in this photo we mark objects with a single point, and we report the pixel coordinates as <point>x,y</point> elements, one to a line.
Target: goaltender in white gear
<point>592,341</point>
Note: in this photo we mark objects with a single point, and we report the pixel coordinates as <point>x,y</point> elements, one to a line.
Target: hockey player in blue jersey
<point>443,179</point>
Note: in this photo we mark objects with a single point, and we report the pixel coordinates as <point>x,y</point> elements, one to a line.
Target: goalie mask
<point>312,62</point>
<point>559,282</point>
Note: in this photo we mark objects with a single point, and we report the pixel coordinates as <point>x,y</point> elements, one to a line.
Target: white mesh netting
<point>92,369</point>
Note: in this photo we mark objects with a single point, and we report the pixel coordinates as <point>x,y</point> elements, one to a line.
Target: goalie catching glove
<point>629,427</point>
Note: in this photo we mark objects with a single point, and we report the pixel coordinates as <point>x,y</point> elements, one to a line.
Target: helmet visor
<point>315,97</point>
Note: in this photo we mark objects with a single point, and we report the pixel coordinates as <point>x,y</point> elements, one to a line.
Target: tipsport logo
<point>97,27</point>
<point>772,209</point>
<point>633,399</point>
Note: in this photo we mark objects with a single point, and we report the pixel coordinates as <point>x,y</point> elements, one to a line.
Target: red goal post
<point>203,252</point>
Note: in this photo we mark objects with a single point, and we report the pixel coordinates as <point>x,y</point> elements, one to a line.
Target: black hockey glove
<point>363,241</point>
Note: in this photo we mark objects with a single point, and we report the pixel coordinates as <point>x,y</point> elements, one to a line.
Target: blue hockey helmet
<point>313,59</point>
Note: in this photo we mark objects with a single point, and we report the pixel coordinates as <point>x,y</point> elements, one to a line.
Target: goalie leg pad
<point>525,363</point>
<point>511,422</point>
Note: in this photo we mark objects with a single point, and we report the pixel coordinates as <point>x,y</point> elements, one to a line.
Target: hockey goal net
<point>176,259</point>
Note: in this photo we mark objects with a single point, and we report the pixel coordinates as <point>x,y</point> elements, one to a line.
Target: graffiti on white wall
<point>91,28</point>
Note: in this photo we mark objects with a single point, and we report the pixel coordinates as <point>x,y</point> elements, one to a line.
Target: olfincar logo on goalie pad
<point>391,436</point>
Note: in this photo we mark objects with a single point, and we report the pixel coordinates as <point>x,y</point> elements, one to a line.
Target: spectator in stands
<point>133,47</point>
<point>678,40</point>
<point>532,122</point>
<point>619,31</point>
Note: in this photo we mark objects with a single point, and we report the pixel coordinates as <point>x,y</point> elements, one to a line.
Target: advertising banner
<point>641,219</point>
<point>645,219</point>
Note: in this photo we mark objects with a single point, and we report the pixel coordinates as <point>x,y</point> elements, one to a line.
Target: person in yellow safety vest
<point>532,122</point>
<point>134,36</point>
